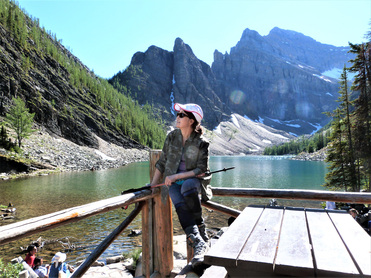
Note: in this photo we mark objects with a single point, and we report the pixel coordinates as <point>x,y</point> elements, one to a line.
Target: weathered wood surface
<point>293,242</point>
<point>357,241</point>
<point>329,252</point>
<point>294,255</point>
<point>163,233</point>
<point>225,251</point>
<point>319,195</point>
<point>34,225</point>
<point>80,271</point>
<point>160,221</point>
<point>259,251</point>
<point>147,238</point>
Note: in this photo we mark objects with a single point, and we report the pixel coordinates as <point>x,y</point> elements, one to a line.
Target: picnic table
<point>270,241</point>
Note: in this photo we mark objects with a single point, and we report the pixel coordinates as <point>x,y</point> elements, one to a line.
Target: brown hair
<point>196,125</point>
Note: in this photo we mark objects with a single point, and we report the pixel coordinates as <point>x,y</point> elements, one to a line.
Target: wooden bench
<point>294,242</point>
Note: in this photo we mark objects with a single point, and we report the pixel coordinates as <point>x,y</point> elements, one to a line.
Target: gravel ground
<point>65,155</point>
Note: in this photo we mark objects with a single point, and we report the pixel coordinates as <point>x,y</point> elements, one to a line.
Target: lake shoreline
<point>53,154</point>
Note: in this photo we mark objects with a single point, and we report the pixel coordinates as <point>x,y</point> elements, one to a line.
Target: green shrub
<point>10,270</point>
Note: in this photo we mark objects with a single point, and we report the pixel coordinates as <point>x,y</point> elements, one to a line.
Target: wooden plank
<point>331,258</point>
<point>259,252</point>
<point>320,195</point>
<point>294,255</point>
<point>226,250</point>
<point>35,225</point>
<point>356,239</point>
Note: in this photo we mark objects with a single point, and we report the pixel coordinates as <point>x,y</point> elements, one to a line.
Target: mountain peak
<point>284,35</point>
<point>250,34</point>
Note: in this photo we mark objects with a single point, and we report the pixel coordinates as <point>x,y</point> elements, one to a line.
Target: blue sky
<point>105,34</point>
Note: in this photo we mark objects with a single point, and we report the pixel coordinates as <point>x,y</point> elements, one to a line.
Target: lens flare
<point>237,97</point>
<point>303,109</point>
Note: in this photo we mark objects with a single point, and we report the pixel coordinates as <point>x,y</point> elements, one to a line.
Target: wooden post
<point>147,238</point>
<point>157,229</point>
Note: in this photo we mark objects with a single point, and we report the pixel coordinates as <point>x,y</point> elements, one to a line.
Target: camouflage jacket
<point>196,154</point>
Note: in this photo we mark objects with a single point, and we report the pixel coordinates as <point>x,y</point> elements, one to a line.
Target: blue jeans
<point>184,195</point>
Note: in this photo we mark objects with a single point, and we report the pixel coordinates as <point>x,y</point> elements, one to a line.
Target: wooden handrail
<point>221,208</point>
<point>80,271</point>
<point>31,226</point>
<point>317,195</point>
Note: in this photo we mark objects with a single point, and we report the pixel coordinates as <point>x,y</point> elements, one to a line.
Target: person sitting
<point>330,205</point>
<point>58,265</point>
<point>39,269</point>
<point>31,255</point>
<point>183,161</point>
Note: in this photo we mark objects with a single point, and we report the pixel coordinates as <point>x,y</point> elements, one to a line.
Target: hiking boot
<point>199,249</point>
<point>203,233</point>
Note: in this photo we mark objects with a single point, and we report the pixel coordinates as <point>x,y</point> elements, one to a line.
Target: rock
<point>115,259</point>
<point>95,264</point>
<point>319,155</point>
<point>112,270</point>
<point>135,233</point>
<point>139,268</point>
<point>23,274</point>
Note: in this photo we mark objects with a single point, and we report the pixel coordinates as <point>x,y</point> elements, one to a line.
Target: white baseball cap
<point>59,257</point>
<point>195,109</point>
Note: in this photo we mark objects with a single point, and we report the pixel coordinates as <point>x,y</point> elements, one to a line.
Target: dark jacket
<point>196,154</point>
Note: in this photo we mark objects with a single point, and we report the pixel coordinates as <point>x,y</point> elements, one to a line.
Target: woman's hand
<point>171,179</point>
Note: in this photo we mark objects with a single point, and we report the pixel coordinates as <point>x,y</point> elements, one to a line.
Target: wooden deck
<point>293,242</point>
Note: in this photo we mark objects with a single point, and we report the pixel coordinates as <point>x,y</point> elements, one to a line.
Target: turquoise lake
<point>42,195</point>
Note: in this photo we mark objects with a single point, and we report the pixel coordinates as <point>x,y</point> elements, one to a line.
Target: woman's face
<point>184,122</point>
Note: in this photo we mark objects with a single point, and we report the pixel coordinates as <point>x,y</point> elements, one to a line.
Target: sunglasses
<point>181,115</point>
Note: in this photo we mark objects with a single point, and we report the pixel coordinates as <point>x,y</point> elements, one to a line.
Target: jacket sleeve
<point>203,158</point>
<point>160,164</point>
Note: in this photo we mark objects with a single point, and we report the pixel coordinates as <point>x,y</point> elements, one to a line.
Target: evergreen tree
<point>20,120</point>
<point>336,178</point>
<point>342,167</point>
<point>3,137</point>
<point>361,115</point>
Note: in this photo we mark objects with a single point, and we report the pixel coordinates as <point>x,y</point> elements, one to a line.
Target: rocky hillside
<point>241,136</point>
<point>62,108</point>
<point>67,98</point>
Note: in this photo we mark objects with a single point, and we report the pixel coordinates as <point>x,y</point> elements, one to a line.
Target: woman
<point>183,161</point>
<point>39,269</point>
<point>31,255</point>
<point>58,267</point>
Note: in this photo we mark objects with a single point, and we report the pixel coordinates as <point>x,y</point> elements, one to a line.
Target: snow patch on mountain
<point>249,137</point>
<point>235,121</point>
<point>336,73</point>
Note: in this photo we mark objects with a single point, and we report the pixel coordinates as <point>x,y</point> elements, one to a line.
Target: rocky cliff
<point>161,78</point>
<point>276,79</point>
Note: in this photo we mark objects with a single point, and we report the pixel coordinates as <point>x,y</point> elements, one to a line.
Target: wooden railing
<point>157,231</point>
